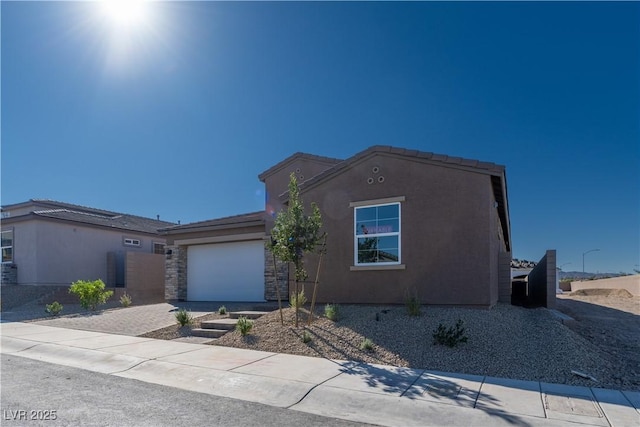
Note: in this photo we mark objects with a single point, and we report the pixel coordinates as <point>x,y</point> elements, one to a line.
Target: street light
<point>566,263</point>
<point>591,250</point>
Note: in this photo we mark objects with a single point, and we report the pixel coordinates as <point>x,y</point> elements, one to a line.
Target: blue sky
<point>177,114</point>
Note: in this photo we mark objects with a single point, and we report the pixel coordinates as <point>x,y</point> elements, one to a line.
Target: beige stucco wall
<point>630,283</point>
<point>447,248</point>
<point>145,277</point>
<point>49,252</point>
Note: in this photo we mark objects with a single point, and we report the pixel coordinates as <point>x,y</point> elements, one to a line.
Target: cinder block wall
<point>542,281</point>
<point>144,277</point>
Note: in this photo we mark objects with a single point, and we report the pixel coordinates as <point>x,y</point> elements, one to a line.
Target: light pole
<point>566,263</point>
<point>584,253</point>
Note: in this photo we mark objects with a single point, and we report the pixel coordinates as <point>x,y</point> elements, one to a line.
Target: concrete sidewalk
<point>375,394</point>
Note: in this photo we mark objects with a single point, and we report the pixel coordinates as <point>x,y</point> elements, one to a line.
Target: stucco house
<point>46,242</point>
<point>398,221</point>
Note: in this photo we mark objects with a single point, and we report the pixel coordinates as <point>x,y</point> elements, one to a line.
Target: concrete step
<point>208,333</point>
<point>247,314</point>
<point>227,324</point>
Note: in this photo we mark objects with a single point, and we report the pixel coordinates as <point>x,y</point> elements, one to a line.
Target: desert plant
<point>183,317</point>
<point>451,336</point>
<point>91,294</point>
<point>297,300</point>
<point>54,308</point>
<point>244,326</point>
<point>222,310</point>
<point>125,300</point>
<point>332,312</point>
<point>413,305</point>
<point>294,233</point>
<point>306,337</point>
<point>366,345</point>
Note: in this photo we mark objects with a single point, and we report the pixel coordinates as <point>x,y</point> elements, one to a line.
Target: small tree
<point>91,294</point>
<point>295,234</point>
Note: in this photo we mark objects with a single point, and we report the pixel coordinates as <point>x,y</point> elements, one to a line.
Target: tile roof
<point>492,168</point>
<point>242,220</point>
<point>295,156</point>
<point>45,208</point>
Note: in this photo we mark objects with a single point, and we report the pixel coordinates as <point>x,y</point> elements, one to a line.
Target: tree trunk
<point>275,271</point>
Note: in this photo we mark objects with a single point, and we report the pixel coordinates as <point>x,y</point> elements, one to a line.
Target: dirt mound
<point>620,293</point>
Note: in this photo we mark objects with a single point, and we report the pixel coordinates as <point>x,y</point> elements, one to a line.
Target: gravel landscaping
<point>505,341</point>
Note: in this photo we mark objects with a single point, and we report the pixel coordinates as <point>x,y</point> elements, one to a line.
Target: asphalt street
<point>35,393</point>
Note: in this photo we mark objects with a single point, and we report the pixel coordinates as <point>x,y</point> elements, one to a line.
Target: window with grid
<point>7,246</point>
<point>377,234</point>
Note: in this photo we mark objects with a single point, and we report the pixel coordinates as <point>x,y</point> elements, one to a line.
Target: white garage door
<point>226,272</point>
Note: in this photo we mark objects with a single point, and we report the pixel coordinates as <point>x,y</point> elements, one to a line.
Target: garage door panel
<point>231,271</point>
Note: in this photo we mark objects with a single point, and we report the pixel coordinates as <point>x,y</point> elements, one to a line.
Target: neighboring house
<point>52,243</point>
<point>399,222</point>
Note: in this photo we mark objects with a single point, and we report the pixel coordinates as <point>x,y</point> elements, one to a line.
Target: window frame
<point>397,234</point>
<point>2,248</point>
<point>132,242</point>
<point>156,244</point>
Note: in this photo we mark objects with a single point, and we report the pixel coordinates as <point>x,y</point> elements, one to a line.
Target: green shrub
<point>125,300</point>
<point>332,312</point>
<point>222,310</point>
<point>451,336</point>
<point>91,294</point>
<point>306,337</point>
<point>183,317</point>
<point>366,345</point>
<point>297,301</point>
<point>54,308</point>
<point>244,326</point>
<point>413,306</point>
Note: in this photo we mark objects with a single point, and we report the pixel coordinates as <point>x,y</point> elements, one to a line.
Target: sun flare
<point>125,12</point>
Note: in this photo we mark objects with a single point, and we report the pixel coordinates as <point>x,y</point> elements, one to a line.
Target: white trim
<point>130,241</point>
<point>385,201</point>
<point>220,239</point>
<point>398,234</point>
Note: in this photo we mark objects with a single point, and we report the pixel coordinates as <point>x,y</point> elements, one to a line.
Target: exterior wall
<point>175,287</point>
<point>630,283</point>
<point>278,183</point>
<point>445,234</point>
<point>542,281</point>
<point>56,253</point>
<point>504,277</point>
<point>145,277</point>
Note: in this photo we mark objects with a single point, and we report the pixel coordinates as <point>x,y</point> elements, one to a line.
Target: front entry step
<point>218,327</point>
<point>208,333</point>
<point>227,324</point>
<point>248,314</point>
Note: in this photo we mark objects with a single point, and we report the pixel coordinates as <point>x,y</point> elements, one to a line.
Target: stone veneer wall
<point>270,293</point>
<point>9,274</point>
<point>175,276</point>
